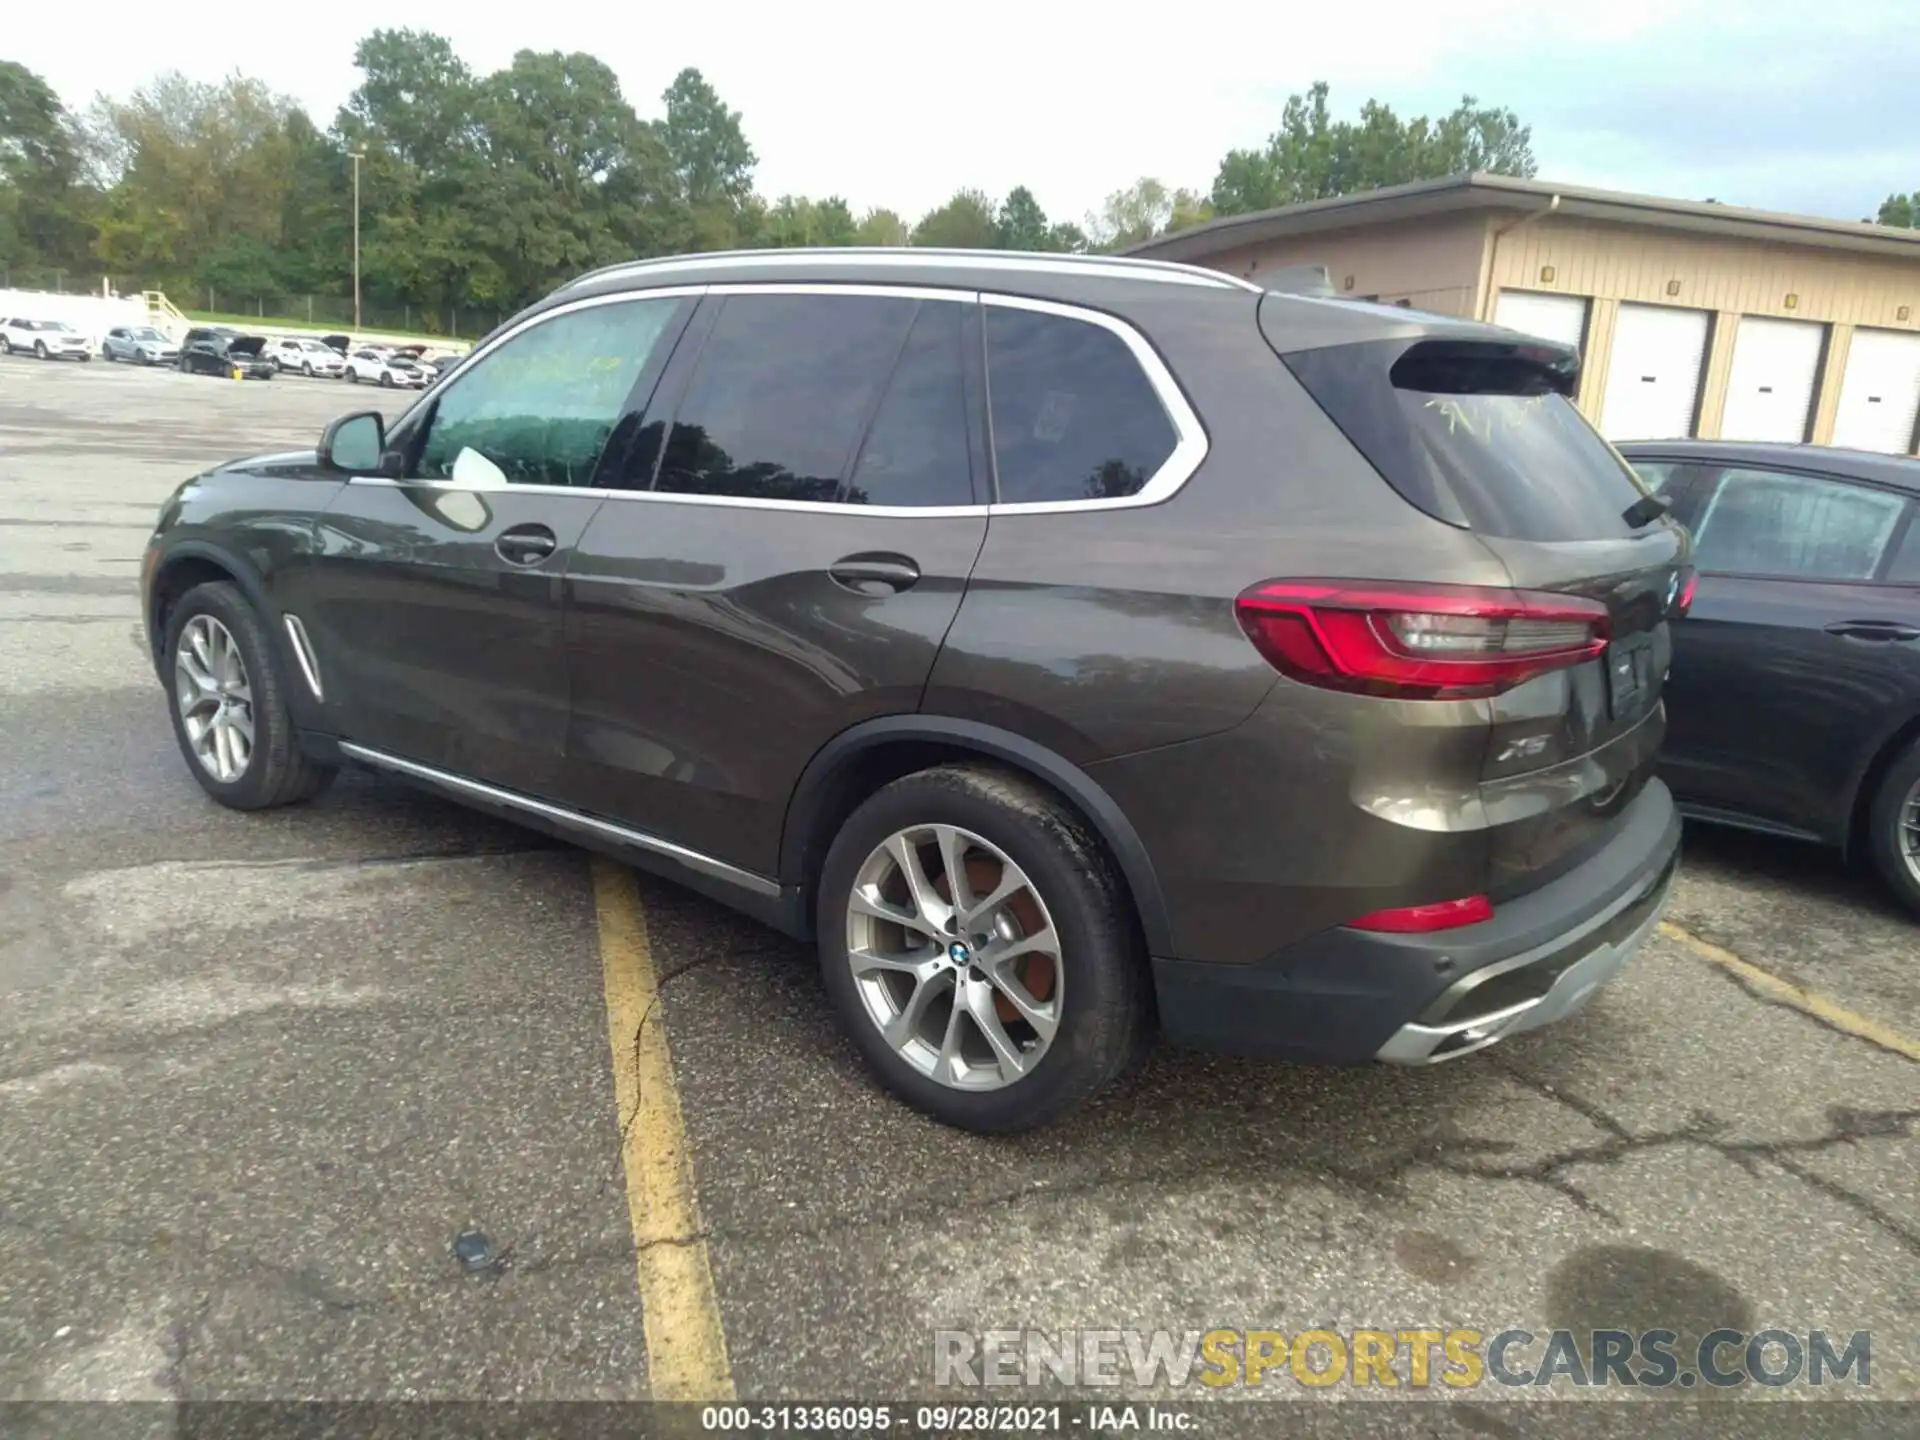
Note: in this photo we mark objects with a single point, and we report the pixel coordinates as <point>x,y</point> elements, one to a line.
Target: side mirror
<point>355,444</point>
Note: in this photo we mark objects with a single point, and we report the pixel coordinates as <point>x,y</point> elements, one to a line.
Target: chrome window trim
<point>692,859</point>
<point>1161,271</point>
<point>1190,444</point>
<point>1189,451</point>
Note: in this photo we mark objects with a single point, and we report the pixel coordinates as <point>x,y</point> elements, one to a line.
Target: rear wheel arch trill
<point>858,761</point>
<point>1866,786</point>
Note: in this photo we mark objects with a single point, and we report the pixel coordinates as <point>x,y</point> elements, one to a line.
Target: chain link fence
<point>336,311</point>
<point>319,312</point>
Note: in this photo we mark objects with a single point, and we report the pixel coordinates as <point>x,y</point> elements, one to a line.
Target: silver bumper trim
<point>1417,1044</point>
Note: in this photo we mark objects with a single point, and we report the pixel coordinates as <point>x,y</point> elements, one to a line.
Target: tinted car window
<point>1479,435</point>
<point>1766,522</point>
<point>538,410</point>
<point>916,452</point>
<point>783,388</point>
<point>1074,416</point>
<point>1904,567</point>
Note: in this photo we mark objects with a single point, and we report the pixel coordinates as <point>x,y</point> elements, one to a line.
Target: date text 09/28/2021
<point>957,1419</point>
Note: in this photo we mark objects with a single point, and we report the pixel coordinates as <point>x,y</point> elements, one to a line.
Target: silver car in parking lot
<point>142,344</point>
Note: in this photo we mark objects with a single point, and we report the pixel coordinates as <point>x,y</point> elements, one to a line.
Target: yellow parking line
<point>1812,1002</point>
<point>686,1347</point>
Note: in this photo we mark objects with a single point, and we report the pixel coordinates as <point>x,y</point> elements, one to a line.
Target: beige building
<point>1691,318</point>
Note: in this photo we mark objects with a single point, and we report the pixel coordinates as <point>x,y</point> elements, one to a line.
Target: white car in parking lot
<point>305,356</point>
<point>47,339</point>
<point>383,368</point>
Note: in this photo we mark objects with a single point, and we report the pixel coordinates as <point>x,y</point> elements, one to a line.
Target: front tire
<point>229,704</point>
<point>40,350</point>
<point>1893,828</point>
<point>1009,1009</point>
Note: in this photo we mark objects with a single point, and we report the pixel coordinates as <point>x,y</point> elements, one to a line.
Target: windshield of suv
<point>145,332</point>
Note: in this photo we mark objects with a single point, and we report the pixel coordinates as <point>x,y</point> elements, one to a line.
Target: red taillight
<point>1418,642</point>
<point>1424,919</point>
<point>1684,602</point>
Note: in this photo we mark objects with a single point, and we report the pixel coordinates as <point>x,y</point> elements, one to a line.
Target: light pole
<point>356,156</point>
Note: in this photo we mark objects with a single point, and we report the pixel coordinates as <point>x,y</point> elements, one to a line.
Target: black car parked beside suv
<point>1064,644</point>
<point>218,350</point>
<point>1796,689</point>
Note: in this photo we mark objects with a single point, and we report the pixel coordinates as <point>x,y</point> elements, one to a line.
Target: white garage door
<point>1653,377</point>
<point>1776,364</point>
<point>1551,317</point>
<point>1880,396</point>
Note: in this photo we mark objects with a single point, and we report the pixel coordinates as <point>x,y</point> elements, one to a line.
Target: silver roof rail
<point>916,257</point>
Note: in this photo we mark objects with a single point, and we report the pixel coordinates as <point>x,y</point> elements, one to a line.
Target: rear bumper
<point>1347,996</point>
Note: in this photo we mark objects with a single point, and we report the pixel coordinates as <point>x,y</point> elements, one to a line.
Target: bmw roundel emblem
<point>957,953</point>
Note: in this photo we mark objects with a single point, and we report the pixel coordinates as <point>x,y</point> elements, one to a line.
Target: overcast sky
<point>1810,106</point>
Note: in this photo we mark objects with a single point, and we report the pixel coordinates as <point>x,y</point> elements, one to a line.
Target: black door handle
<point>525,544</point>
<point>1873,630</point>
<point>873,574</point>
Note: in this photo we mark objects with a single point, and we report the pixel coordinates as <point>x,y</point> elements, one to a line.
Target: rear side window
<point>1479,435</point>
<point>1074,415</point>
<point>1768,522</point>
<point>917,452</point>
<point>782,391</point>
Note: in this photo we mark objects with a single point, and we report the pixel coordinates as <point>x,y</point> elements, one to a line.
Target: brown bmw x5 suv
<point>1070,647</point>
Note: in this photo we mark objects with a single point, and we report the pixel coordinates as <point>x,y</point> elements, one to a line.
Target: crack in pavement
<point>1450,1155</point>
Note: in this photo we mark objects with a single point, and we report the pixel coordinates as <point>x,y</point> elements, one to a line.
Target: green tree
<point>1315,157</point>
<point>795,220</point>
<point>201,195</point>
<point>45,209</point>
<point>706,145</point>
<point>416,99</point>
<point>1900,210</point>
<point>1143,210</point>
<point>1022,224</point>
<point>882,227</point>
<point>571,178</point>
<point>965,222</point>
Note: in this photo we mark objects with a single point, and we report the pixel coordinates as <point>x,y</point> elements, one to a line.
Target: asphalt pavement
<point>265,1079</point>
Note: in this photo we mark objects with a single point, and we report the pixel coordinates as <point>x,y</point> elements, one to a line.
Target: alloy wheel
<point>211,687</point>
<point>1910,831</point>
<point>955,957</point>
<point>40,348</point>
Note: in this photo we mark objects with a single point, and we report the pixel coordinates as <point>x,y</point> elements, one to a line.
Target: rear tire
<point>1076,960</point>
<point>273,771</point>
<point>1893,828</point>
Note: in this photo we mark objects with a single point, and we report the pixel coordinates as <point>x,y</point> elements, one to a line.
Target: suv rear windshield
<point>1478,434</point>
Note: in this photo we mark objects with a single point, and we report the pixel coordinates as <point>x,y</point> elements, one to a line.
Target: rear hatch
<point>246,347</point>
<point>1475,427</point>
